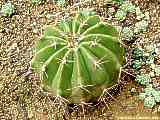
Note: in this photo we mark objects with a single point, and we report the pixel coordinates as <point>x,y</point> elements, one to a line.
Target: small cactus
<point>150,60</point>
<point>142,96</point>
<point>127,33</point>
<point>7,9</point>
<point>141,26</point>
<point>148,90</point>
<point>78,58</point>
<point>87,12</point>
<point>157,70</point>
<point>137,64</point>
<point>61,2</point>
<point>150,96</point>
<point>143,79</point>
<point>137,53</point>
<point>124,8</point>
<point>37,2</point>
<point>139,14</point>
<point>120,15</point>
<point>128,7</point>
<point>156,95</point>
<point>149,101</point>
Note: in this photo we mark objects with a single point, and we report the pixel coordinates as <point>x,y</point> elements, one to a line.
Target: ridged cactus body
<point>78,58</point>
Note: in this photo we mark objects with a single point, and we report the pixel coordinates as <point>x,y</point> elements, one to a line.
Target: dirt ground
<point>21,96</point>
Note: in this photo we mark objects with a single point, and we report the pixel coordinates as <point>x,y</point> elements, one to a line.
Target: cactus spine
<point>78,58</point>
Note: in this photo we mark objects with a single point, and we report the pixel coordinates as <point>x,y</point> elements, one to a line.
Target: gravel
<point>21,95</point>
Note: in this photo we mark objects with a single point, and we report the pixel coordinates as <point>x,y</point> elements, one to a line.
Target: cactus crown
<point>78,57</point>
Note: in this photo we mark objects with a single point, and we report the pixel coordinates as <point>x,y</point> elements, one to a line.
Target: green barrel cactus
<point>78,58</point>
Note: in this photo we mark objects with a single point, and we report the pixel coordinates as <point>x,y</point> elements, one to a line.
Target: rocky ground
<point>21,96</point>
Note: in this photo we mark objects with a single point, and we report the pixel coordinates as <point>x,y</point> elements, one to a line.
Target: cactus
<point>141,26</point>
<point>143,79</point>
<point>142,96</point>
<point>156,95</point>
<point>149,102</point>
<point>150,96</point>
<point>137,53</point>
<point>78,58</point>
<point>61,2</point>
<point>128,7</point>
<point>8,9</point>
<point>139,13</point>
<point>137,64</point>
<point>117,1</point>
<point>127,33</point>
<point>120,15</point>
<point>37,2</point>
<point>124,8</point>
<point>157,70</point>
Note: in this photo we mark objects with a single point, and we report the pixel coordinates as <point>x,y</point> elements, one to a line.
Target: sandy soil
<point>21,96</point>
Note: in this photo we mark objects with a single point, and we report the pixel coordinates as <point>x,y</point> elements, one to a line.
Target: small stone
<point>152,74</point>
<point>34,23</point>
<point>35,31</point>
<point>133,90</point>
